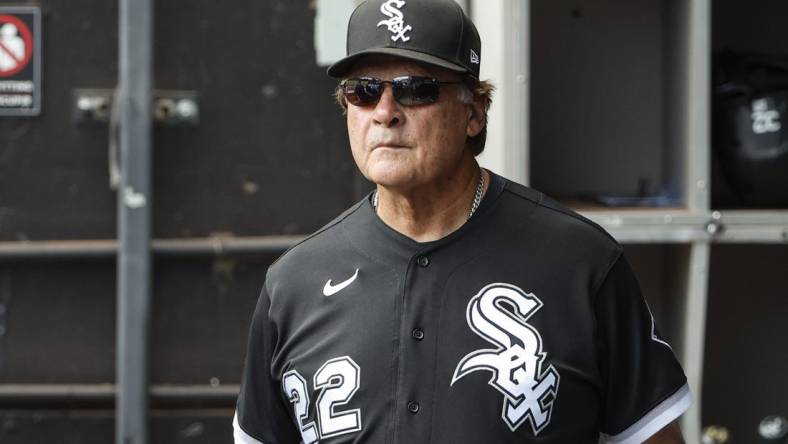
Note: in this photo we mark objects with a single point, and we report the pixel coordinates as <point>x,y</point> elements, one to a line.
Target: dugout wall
<point>265,162</point>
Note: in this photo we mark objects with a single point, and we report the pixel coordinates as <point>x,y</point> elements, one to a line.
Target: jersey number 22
<point>337,380</point>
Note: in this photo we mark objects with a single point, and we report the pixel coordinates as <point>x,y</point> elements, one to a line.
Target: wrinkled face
<point>405,146</point>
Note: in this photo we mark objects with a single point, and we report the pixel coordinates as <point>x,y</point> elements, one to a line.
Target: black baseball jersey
<point>526,325</point>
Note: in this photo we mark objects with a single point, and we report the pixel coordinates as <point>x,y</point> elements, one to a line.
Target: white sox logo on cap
<point>395,22</point>
<point>498,313</point>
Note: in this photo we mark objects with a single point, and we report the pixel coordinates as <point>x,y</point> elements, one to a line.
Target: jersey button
<point>418,334</point>
<point>413,407</point>
<point>423,261</point>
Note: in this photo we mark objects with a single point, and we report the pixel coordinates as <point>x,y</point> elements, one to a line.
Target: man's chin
<point>390,182</point>
<point>390,176</point>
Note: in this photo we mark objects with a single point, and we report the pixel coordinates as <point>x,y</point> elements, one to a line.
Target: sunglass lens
<point>417,91</point>
<point>362,92</point>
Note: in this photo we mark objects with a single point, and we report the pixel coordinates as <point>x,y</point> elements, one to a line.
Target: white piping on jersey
<point>239,436</point>
<point>653,421</point>
<point>654,336</point>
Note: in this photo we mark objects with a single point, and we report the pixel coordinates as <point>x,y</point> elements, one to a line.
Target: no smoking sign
<point>20,60</point>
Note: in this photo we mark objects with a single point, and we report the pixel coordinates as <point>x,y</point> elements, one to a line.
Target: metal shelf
<point>755,217</point>
<point>753,226</point>
<point>652,226</point>
<point>107,248</point>
<point>97,395</point>
<point>680,226</point>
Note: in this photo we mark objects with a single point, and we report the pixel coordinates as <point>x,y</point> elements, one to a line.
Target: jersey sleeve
<point>643,384</point>
<point>261,415</point>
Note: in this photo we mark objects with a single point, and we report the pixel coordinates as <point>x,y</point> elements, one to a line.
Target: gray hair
<point>465,95</point>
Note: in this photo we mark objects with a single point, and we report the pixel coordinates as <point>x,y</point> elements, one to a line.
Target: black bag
<point>750,125</point>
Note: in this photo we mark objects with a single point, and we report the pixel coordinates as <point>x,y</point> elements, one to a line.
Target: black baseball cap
<point>436,32</point>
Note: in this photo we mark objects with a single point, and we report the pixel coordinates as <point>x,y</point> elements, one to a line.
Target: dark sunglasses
<point>407,90</point>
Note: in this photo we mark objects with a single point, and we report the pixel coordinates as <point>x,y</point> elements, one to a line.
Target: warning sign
<point>20,60</point>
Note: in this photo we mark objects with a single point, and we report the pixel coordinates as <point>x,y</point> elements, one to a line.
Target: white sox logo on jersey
<point>499,314</point>
<point>395,22</point>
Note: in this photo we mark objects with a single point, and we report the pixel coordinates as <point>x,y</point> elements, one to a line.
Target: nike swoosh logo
<point>329,289</point>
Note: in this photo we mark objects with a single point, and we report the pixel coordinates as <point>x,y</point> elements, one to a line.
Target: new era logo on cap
<point>474,57</point>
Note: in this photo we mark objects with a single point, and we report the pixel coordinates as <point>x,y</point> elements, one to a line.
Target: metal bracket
<point>92,106</point>
<point>715,226</point>
<point>170,108</point>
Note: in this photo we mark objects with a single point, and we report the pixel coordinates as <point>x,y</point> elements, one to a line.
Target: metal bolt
<point>165,108</point>
<point>773,427</point>
<point>186,109</point>
<point>215,382</point>
<point>193,430</point>
<point>85,104</point>
<point>9,425</point>
<point>93,106</point>
<point>250,187</point>
<point>716,215</point>
<point>715,435</point>
<point>701,184</point>
<point>270,91</point>
<point>102,105</point>
<point>713,228</point>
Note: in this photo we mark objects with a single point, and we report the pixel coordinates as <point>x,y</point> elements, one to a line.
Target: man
<point>450,305</point>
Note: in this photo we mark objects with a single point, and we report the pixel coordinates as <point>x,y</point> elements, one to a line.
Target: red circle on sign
<point>27,37</point>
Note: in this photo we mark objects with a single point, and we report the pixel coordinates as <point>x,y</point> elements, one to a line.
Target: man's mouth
<point>393,145</point>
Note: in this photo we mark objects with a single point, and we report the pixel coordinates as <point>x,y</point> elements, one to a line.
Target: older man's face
<point>405,146</point>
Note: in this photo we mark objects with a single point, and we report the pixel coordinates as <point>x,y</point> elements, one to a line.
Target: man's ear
<point>476,119</point>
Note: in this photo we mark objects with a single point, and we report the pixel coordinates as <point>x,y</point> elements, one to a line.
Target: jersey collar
<point>370,234</point>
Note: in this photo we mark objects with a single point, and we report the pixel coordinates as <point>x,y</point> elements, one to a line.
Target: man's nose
<point>387,111</point>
